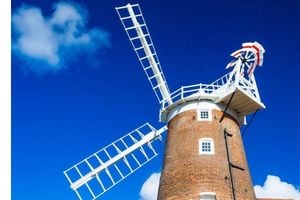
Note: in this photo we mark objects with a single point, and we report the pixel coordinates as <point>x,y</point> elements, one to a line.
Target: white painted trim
<point>196,105</point>
<point>212,146</point>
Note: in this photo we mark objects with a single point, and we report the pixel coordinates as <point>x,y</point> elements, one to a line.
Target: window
<point>204,115</point>
<point>207,196</point>
<point>206,146</point>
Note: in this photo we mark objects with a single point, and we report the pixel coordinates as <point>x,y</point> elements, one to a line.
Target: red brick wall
<point>186,173</point>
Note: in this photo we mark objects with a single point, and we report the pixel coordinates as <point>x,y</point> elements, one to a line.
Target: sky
<point>77,86</point>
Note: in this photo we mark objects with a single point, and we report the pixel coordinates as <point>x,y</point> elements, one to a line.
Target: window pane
<point>204,114</point>
<point>206,146</point>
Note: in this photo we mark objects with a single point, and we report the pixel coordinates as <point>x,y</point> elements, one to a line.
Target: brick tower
<point>204,156</point>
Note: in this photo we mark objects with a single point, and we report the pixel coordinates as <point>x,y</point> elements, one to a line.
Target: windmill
<point>204,155</point>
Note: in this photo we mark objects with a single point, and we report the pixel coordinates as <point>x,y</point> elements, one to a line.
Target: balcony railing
<point>214,90</point>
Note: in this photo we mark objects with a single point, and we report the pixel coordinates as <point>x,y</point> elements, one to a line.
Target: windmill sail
<point>134,24</point>
<point>98,173</point>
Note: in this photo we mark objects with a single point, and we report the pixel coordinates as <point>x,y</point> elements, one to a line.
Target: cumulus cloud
<point>54,40</point>
<point>272,188</point>
<point>149,189</point>
<point>275,188</point>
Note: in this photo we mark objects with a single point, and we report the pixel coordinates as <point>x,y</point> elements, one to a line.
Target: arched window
<point>207,196</point>
<point>206,146</point>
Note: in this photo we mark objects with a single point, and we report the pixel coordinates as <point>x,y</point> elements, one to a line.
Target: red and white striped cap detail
<point>256,49</point>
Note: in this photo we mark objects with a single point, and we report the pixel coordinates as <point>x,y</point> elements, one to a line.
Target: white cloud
<point>275,188</point>
<point>149,189</point>
<point>272,188</point>
<point>52,40</point>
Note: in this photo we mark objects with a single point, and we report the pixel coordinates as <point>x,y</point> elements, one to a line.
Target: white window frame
<point>207,196</point>
<point>206,140</point>
<point>200,118</point>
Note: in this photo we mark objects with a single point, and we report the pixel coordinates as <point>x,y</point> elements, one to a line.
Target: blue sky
<point>72,96</point>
